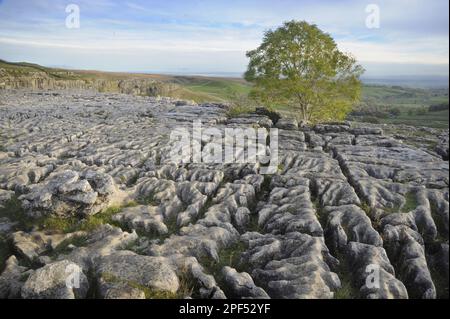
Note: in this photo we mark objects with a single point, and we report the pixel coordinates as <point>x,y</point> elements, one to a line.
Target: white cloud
<point>412,32</point>
<point>403,52</point>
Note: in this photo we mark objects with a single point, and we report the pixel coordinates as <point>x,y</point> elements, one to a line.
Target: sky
<point>212,36</point>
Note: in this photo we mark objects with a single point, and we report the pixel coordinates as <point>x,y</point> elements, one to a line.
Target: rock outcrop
<point>349,212</point>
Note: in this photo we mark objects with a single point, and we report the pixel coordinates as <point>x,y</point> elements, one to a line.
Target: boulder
<point>59,280</point>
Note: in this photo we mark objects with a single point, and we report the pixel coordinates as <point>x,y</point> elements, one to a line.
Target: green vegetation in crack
<point>237,111</point>
<point>132,181</point>
<point>281,168</point>
<point>172,225</point>
<point>320,213</point>
<point>347,289</point>
<point>409,205</point>
<point>230,257</point>
<point>376,220</point>
<point>185,290</point>
<point>64,247</point>
<point>204,209</point>
<point>88,224</point>
<point>148,200</point>
<point>12,209</point>
<point>440,282</point>
<point>5,252</point>
<point>411,202</point>
<point>253,225</point>
<point>443,236</point>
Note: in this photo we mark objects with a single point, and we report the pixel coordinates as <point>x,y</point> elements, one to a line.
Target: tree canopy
<point>301,67</point>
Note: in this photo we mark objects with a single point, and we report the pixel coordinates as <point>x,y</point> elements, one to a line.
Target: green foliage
<point>90,223</point>
<point>149,200</point>
<point>93,222</point>
<point>240,104</point>
<point>185,290</point>
<point>227,257</point>
<point>300,66</point>
<point>63,248</point>
<point>348,290</point>
<point>214,89</point>
<point>421,111</point>
<point>59,224</point>
<point>411,202</point>
<point>5,252</point>
<point>12,209</point>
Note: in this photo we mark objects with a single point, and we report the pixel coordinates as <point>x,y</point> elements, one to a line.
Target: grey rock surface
<point>344,199</point>
<point>53,282</point>
<point>125,270</point>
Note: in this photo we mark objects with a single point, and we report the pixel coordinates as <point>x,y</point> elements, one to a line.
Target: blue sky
<point>201,36</point>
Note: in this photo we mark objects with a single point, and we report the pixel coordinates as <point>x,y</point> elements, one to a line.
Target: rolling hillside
<point>380,104</point>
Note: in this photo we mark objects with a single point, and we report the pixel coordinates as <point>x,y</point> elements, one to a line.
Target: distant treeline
<point>438,107</point>
<point>377,114</point>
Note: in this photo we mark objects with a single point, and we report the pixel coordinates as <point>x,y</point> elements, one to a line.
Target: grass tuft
<point>347,290</point>
<point>185,290</point>
<point>240,105</point>
<point>5,252</point>
<point>237,111</point>
<point>63,248</point>
<point>227,257</point>
<point>89,224</point>
<point>12,209</point>
<point>410,202</point>
<point>148,200</point>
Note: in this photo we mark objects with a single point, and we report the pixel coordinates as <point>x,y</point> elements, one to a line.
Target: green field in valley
<point>403,105</point>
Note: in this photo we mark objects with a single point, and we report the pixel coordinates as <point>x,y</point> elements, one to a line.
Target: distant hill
<point>17,75</point>
<point>420,82</point>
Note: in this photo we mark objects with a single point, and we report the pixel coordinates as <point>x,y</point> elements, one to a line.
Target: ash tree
<point>299,67</point>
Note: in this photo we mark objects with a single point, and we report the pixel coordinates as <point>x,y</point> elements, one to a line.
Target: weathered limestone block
<point>335,192</point>
<point>12,279</point>
<point>439,209</point>
<point>53,282</point>
<point>290,210</point>
<point>144,218</point>
<point>241,285</point>
<point>69,193</point>
<point>287,124</point>
<point>184,206</point>
<point>331,128</point>
<point>349,224</point>
<point>32,245</point>
<point>363,260</point>
<point>405,247</point>
<point>125,270</point>
<point>197,240</point>
<point>102,242</point>
<point>227,204</point>
<point>6,226</point>
<point>293,266</point>
<point>190,267</point>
